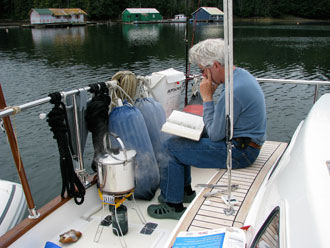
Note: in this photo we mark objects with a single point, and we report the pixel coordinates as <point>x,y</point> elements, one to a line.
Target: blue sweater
<point>249,110</point>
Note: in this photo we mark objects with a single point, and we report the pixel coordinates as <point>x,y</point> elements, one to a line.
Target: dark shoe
<point>186,198</point>
<point>164,211</point>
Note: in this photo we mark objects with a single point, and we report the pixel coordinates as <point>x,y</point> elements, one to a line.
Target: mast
<point>228,37</point>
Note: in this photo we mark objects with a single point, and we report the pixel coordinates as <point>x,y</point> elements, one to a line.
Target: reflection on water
<point>212,30</point>
<point>58,36</point>
<point>141,34</point>
<point>35,62</point>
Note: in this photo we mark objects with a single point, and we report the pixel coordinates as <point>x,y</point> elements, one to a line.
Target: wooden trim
<point>198,202</point>
<point>12,235</point>
<point>16,154</point>
<point>202,211</point>
<point>25,225</point>
<point>242,213</point>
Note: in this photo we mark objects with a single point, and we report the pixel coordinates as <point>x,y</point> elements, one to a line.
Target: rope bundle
<point>57,120</point>
<point>127,81</point>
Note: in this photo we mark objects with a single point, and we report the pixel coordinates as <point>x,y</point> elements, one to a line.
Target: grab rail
<point>5,112</point>
<point>13,110</point>
<point>293,81</point>
<point>317,83</point>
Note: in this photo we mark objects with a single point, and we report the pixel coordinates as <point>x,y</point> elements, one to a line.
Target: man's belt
<point>244,142</point>
<point>254,145</point>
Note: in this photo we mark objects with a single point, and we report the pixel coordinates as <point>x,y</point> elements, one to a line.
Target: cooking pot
<point>115,168</point>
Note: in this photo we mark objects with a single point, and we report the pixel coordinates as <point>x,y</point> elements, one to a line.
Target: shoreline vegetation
<point>288,20</point>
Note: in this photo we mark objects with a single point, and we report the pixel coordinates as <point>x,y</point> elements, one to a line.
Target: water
<point>35,62</point>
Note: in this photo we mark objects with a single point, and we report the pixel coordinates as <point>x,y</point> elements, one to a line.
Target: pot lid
<point>117,158</point>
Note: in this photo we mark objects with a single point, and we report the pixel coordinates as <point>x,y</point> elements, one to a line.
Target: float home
<point>141,14</point>
<point>57,16</point>
<point>208,14</point>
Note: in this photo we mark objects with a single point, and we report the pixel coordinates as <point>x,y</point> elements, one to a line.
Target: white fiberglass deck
<point>86,221</point>
<point>202,214</point>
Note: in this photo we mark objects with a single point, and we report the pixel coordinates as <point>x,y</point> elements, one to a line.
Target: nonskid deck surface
<point>88,224</point>
<point>202,213</point>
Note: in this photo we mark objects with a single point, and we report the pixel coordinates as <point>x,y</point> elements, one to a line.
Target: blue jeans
<point>179,154</point>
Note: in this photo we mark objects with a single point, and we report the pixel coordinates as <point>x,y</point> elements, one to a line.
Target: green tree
<point>112,9</point>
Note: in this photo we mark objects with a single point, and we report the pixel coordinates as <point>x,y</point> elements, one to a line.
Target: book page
<point>186,119</point>
<point>185,125</point>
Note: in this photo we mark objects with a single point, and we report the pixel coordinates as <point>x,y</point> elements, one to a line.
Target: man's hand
<point>206,87</point>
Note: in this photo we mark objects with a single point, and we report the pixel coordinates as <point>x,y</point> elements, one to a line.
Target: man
<point>249,133</point>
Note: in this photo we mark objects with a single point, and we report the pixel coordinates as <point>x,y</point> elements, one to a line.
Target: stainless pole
<point>81,171</point>
<point>228,37</point>
<point>316,93</point>
<point>13,110</point>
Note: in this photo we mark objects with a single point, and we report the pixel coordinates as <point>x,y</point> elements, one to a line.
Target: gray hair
<point>208,51</point>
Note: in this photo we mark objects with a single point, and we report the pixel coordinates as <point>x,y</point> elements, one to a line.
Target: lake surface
<point>36,62</point>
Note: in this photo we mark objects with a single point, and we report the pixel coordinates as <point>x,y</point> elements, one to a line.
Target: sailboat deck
<point>208,213</point>
<point>202,213</point>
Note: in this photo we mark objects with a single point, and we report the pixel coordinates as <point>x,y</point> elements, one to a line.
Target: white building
<point>52,15</point>
<point>180,17</point>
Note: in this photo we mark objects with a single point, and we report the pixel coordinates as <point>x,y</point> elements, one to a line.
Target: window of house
<point>268,235</point>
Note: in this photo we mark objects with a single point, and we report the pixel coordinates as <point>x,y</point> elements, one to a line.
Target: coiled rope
<point>57,120</point>
<point>127,81</point>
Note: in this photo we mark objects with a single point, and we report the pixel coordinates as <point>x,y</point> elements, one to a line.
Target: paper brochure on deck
<point>217,238</point>
<point>184,124</point>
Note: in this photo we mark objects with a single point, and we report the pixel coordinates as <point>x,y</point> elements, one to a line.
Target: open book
<point>184,124</point>
<point>218,238</point>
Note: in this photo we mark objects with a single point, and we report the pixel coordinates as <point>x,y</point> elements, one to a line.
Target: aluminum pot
<point>115,168</point>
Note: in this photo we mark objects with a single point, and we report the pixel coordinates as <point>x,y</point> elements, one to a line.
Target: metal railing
<point>15,109</point>
<point>6,111</point>
<point>316,83</point>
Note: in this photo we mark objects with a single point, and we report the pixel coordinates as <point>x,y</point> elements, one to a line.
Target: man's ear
<point>217,65</point>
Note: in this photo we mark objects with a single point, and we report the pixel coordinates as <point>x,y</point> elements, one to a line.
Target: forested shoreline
<point>111,9</point>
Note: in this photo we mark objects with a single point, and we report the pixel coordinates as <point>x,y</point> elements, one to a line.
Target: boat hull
<point>299,185</point>
<point>12,205</point>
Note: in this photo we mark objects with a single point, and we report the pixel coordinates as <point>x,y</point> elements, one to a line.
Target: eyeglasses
<point>206,67</point>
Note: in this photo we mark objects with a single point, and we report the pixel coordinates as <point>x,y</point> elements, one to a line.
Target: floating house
<point>141,15</point>
<point>208,14</point>
<point>57,16</point>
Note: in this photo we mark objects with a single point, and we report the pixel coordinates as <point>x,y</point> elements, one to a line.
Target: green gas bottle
<point>121,216</point>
